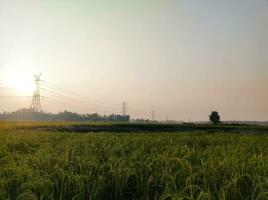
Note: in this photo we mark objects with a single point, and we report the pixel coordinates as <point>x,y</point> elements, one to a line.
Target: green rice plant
<point>36,164</point>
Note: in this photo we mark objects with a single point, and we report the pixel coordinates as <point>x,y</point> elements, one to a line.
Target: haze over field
<point>180,58</point>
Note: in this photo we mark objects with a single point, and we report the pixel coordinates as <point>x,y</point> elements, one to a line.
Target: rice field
<point>58,165</point>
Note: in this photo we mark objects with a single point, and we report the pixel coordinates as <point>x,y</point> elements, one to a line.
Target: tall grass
<point>51,165</point>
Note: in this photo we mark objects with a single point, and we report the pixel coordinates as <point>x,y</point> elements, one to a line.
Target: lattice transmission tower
<point>153,115</point>
<point>36,101</point>
<point>124,108</point>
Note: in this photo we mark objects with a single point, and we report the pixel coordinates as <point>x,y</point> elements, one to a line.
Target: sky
<point>180,58</point>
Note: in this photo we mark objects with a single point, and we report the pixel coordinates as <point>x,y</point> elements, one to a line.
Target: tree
<point>214,117</point>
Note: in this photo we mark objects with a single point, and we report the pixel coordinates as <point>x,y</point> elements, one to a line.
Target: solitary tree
<point>214,117</point>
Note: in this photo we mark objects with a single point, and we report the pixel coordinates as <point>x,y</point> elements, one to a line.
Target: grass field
<point>39,164</point>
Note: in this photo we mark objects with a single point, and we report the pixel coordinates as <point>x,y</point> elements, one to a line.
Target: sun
<point>23,84</point>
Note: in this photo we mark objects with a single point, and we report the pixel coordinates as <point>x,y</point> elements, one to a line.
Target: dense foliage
<point>26,114</point>
<point>53,165</point>
<point>214,117</point>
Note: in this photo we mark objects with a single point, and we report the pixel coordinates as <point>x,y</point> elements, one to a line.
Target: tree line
<point>27,114</point>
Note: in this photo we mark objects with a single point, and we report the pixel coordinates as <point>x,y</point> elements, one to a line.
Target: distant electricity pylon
<point>36,102</point>
<point>153,115</point>
<point>167,119</point>
<point>124,108</point>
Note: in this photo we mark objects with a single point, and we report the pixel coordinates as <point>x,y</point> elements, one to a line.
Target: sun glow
<point>21,83</point>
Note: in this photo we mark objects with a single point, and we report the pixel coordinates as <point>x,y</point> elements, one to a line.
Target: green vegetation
<point>215,117</point>
<point>132,127</point>
<point>30,115</point>
<point>37,164</point>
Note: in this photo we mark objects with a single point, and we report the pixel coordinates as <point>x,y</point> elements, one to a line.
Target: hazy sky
<point>180,58</point>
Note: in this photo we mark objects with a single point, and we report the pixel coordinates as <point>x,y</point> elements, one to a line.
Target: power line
<point>58,94</point>
<point>74,103</point>
<point>75,97</point>
<point>52,86</point>
<point>72,95</point>
<point>15,96</point>
<point>74,100</point>
<point>80,100</point>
